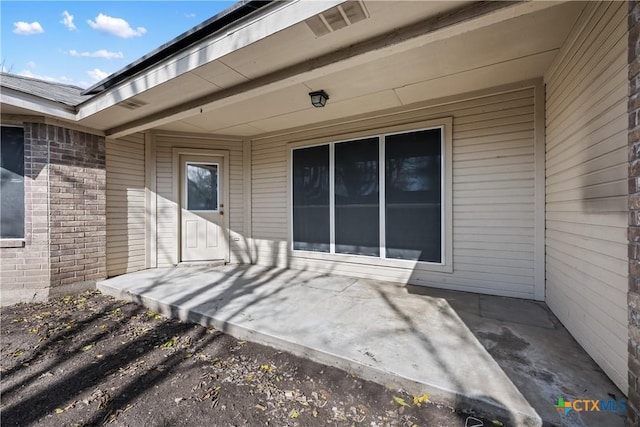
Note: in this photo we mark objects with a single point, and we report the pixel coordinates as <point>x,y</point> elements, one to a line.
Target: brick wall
<point>24,271</point>
<point>634,213</point>
<point>78,207</point>
<point>65,216</point>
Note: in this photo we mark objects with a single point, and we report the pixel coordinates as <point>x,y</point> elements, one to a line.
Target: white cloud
<point>31,65</point>
<point>67,21</point>
<point>26,29</point>
<point>61,79</point>
<point>97,74</point>
<point>189,15</point>
<point>115,26</point>
<point>101,53</point>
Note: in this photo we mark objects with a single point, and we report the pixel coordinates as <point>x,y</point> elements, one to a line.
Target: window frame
<point>18,242</point>
<point>186,184</point>
<point>446,176</point>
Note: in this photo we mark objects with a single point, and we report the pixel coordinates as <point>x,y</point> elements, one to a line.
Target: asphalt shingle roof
<point>58,92</point>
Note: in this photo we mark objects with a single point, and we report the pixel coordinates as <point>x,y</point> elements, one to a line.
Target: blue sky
<point>82,42</point>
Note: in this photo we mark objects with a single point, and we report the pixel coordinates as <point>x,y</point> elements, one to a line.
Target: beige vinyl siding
<point>493,198</point>
<point>125,204</point>
<point>586,186</point>
<point>167,238</point>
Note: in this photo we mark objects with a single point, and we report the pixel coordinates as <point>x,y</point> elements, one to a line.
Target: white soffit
<point>279,50</point>
<point>529,35</point>
<point>522,36</point>
<point>234,38</point>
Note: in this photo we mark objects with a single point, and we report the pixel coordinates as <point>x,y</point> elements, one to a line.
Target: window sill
<point>373,261</point>
<point>12,243</point>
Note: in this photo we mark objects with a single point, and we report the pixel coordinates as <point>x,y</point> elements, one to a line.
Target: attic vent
<point>132,104</point>
<point>337,17</point>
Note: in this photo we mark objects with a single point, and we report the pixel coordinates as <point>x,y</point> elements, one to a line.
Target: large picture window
<point>379,196</point>
<point>12,183</point>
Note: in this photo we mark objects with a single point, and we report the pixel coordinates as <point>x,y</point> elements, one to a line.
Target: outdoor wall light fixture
<point>318,98</point>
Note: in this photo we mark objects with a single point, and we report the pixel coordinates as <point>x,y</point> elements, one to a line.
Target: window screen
<point>408,212</point>
<point>202,187</point>
<point>413,195</point>
<point>311,220</point>
<point>12,183</point>
<point>357,212</point>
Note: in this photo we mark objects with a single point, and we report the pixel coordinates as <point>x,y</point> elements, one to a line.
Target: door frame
<point>176,184</point>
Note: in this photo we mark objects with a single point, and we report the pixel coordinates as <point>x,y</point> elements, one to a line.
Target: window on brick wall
<point>12,183</point>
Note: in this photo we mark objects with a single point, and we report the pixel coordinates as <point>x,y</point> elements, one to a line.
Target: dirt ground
<point>92,360</point>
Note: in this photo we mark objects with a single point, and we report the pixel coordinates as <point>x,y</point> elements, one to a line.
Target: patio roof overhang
<point>253,76</point>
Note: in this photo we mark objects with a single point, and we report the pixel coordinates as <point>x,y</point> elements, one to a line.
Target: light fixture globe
<point>318,98</point>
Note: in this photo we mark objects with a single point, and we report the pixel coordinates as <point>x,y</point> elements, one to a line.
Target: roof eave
<point>37,104</point>
<point>218,22</point>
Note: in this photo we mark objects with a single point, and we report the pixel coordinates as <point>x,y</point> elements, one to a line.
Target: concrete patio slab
<point>398,336</point>
<point>537,353</point>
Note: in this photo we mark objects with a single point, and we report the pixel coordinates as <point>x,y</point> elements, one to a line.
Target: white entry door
<point>202,208</point>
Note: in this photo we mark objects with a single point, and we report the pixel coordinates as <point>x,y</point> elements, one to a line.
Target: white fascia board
<point>215,47</point>
<point>36,104</point>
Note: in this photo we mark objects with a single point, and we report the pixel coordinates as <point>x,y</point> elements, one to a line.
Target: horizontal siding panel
<point>488,171</point>
<point>604,267</point>
<point>609,174</point>
<point>125,205</point>
<point>592,136</point>
<point>601,205</point>
<point>494,131</point>
<point>596,245</point>
<point>505,137</point>
<point>492,256</point>
<point>608,87</point>
<point>491,148</point>
<point>577,282</point>
<point>587,63</point>
<point>586,186</point>
<point>497,115</point>
<point>495,154</point>
<point>526,215</point>
<point>595,158</point>
<point>600,232</point>
<point>597,191</point>
<point>496,178</point>
<point>490,126</point>
<point>496,161</point>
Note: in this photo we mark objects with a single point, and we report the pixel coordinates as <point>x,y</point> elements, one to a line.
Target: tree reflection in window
<point>412,220</point>
<point>311,199</point>
<point>413,195</point>
<point>202,187</point>
<point>357,208</point>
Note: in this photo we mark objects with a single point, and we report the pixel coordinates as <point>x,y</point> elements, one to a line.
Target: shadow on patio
<point>503,357</point>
